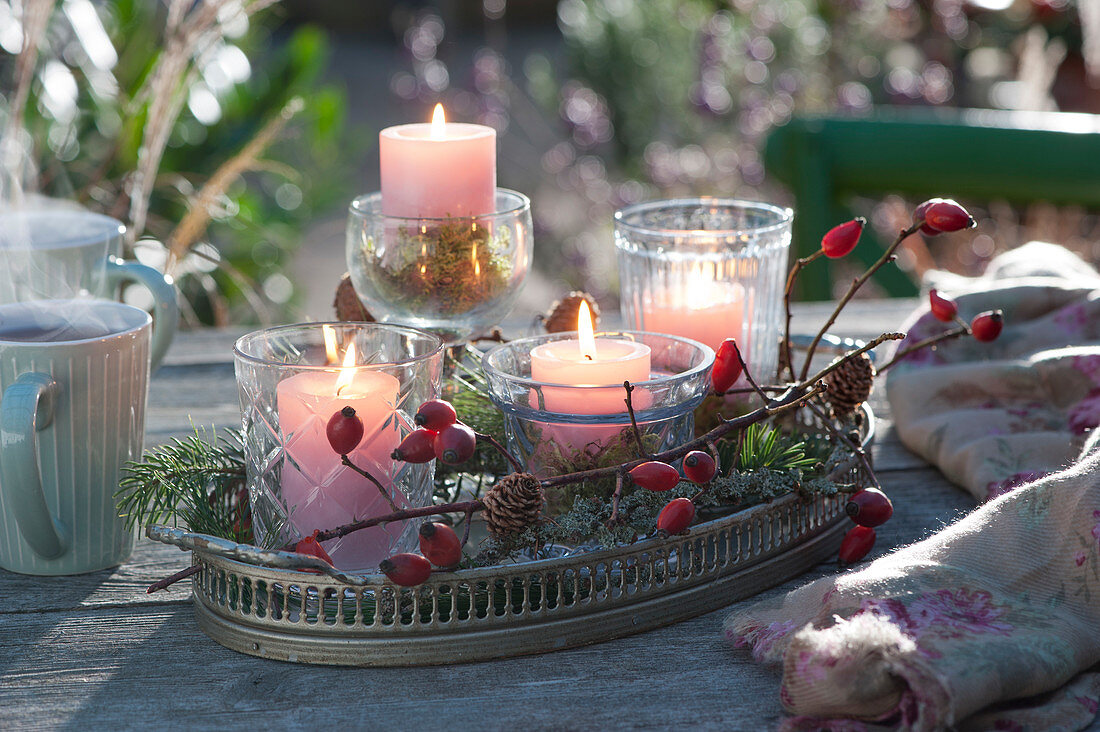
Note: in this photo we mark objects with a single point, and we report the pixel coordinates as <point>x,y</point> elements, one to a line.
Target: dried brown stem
<point>195,221</point>
<point>792,398</point>
<point>466,526</point>
<point>177,577</point>
<point>787,292</point>
<point>633,419</point>
<point>615,497</point>
<point>748,376</point>
<point>887,256</point>
<point>850,444</point>
<point>490,440</point>
<point>381,488</point>
<point>750,390</point>
<point>853,354</point>
<point>962,330</point>
<point>403,514</point>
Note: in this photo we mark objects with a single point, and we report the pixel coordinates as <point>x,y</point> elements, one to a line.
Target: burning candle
<point>439,169</point>
<point>703,310</point>
<point>320,492</point>
<point>589,362</point>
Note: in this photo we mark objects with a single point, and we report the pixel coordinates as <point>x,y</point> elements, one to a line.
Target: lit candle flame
<point>332,357</point>
<point>439,124</point>
<point>587,332</point>
<point>476,261</point>
<point>347,373</point>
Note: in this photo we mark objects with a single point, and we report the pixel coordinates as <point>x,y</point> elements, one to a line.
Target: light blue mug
<point>74,377</point>
<point>61,253</point>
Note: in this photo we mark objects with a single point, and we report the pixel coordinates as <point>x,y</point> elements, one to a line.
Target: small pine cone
<point>512,505</point>
<point>850,385</point>
<point>348,307</point>
<point>562,316</point>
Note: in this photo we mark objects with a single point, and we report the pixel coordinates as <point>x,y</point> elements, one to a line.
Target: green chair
<point>967,154</point>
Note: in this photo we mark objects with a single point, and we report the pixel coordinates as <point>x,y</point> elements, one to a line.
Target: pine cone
<point>850,385</point>
<point>562,316</point>
<point>512,505</point>
<point>348,307</point>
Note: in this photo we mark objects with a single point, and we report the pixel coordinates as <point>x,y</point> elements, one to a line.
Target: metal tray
<point>507,610</point>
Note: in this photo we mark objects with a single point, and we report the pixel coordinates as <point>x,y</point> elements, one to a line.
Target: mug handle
<point>27,407</point>
<point>166,312</point>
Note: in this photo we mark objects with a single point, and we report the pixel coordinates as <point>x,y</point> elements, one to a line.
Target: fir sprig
<point>766,447</point>
<point>196,480</point>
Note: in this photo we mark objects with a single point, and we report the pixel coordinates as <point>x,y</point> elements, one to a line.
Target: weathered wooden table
<point>96,651</point>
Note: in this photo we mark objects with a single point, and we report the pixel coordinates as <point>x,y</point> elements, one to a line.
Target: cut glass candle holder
<point>455,276</point>
<point>290,386</point>
<point>556,428</point>
<point>706,269</point>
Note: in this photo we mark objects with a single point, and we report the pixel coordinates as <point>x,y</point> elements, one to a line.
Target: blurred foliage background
<point>598,104</point>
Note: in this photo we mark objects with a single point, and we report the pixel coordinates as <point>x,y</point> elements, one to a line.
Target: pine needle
<point>194,480</point>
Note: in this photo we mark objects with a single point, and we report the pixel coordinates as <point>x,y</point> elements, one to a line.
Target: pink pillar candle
<point>438,170</point>
<point>319,491</point>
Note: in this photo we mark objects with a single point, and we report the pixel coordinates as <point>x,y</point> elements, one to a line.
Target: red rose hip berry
<point>455,444</point>
<point>655,476</point>
<point>676,516</point>
<point>985,327</point>
<point>435,415</point>
<point>857,543</point>
<point>947,215</point>
<point>406,570</point>
<point>344,431</point>
<point>840,240</point>
<point>417,447</point>
<point>440,544</point>
<point>312,547</point>
<point>869,507</point>
<point>699,466</point>
<point>727,367</point>
<point>943,309</point>
<point>920,213</point>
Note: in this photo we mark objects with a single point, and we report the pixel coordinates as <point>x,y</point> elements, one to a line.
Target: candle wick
<point>587,357</point>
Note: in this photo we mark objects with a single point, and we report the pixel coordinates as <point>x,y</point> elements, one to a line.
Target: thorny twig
<point>887,256</point>
<point>633,419</point>
<point>962,330</point>
<point>381,489</point>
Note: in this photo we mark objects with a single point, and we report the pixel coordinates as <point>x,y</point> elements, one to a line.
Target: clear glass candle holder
<point>455,276</point>
<point>561,428</point>
<point>291,383</point>
<point>707,269</point>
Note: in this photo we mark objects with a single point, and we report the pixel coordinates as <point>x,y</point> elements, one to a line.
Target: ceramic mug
<point>61,253</point>
<point>74,377</point>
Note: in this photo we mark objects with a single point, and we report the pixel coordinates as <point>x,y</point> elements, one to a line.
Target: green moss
<point>448,269</point>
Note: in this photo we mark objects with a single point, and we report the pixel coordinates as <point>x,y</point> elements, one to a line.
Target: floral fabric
<point>994,622</point>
